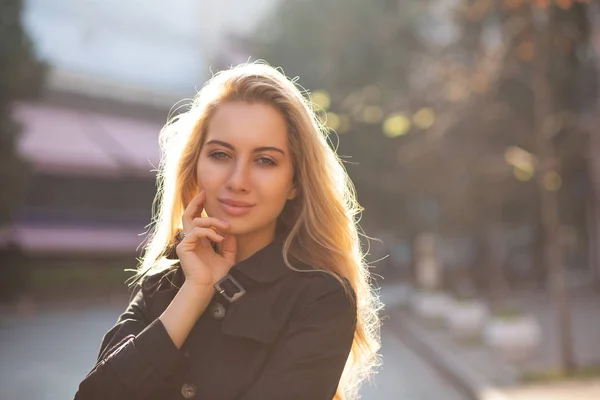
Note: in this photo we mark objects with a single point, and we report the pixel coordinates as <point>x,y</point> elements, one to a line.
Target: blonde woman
<point>253,283</point>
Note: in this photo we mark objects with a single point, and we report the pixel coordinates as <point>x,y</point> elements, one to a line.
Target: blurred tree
<point>357,62</point>
<point>538,68</point>
<point>590,125</point>
<point>21,75</point>
<point>397,77</point>
<point>459,117</point>
<point>543,62</point>
<point>434,100</point>
<point>546,128</point>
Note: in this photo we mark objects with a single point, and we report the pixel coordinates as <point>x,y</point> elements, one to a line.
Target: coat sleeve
<point>308,361</point>
<point>135,355</point>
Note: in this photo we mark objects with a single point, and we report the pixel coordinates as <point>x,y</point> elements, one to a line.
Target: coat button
<point>217,310</point>
<point>188,390</point>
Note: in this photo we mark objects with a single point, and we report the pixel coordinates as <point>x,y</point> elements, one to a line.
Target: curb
<point>471,382</point>
<point>29,306</point>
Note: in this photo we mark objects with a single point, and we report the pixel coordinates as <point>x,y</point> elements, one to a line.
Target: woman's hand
<point>201,265</point>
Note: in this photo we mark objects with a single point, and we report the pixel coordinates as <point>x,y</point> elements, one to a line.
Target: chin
<point>238,229</point>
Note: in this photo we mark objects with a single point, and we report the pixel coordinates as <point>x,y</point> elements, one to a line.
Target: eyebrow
<point>256,150</point>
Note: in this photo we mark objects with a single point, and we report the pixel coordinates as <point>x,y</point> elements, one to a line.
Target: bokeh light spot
<point>542,3</point>
<point>526,50</point>
<point>396,125</point>
<point>552,181</point>
<point>332,120</point>
<point>345,123</point>
<point>372,115</point>
<point>456,92</point>
<point>357,111</point>
<point>513,4</point>
<point>564,4</point>
<point>424,118</point>
<point>515,155</point>
<point>523,172</point>
<point>350,101</point>
<point>480,83</point>
<point>321,98</point>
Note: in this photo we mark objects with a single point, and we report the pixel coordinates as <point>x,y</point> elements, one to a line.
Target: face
<point>245,168</point>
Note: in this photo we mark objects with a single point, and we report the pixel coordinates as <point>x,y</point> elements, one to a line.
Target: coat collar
<point>264,266</point>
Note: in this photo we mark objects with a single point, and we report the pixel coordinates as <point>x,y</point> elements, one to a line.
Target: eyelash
<point>217,155</point>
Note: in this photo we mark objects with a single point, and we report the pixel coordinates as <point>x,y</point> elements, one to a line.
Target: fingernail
<point>225,222</point>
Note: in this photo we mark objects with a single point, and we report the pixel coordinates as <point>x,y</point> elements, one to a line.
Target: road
<point>44,355</point>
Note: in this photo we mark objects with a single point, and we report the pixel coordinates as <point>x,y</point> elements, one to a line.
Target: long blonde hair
<point>320,225</point>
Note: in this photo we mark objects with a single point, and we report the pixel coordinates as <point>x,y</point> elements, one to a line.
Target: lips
<point>235,208</point>
<point>235,203</point>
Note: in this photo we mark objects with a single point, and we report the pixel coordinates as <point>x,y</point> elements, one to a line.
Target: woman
<point>253,284</point>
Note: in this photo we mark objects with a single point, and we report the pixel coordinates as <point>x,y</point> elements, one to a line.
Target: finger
<point>201,236</point>
<point>229,248</point>
<point>211,222</point>
<point>193,210</point>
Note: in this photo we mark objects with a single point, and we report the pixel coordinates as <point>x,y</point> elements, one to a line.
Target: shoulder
<point>155,290</point>
<point>301,299</point>
<point>165,279</point>
<point>151,282</point>
<point>320,287</point>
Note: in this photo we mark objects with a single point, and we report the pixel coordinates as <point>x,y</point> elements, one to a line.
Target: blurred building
<point>117,70</point>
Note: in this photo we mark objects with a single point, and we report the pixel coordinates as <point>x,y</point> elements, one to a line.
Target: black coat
<point>288,337</point>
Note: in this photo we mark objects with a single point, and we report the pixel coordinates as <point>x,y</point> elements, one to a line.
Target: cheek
<point>278,189</point>
<point>206,175</point>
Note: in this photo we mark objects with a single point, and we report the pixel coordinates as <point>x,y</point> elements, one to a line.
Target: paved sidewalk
<point>484,376</point>
<point>47,349</point>
<point>577,390</point>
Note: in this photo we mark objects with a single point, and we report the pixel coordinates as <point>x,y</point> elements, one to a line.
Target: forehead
<point>244,124</point>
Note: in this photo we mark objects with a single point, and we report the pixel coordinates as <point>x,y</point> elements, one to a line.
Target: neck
<point>249,244</point>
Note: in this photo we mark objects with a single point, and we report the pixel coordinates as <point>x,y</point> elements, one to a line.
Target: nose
<point>239,180</point>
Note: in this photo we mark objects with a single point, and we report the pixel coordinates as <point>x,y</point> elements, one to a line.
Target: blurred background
<point>471,129</point>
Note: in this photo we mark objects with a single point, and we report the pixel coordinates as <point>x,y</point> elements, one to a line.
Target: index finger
<point>193,209</point>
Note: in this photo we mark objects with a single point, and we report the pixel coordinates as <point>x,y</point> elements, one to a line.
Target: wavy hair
<point>319,226</point>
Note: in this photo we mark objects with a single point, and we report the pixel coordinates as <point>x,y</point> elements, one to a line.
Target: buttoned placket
<point>217,309</point>
<point>187,387</point>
